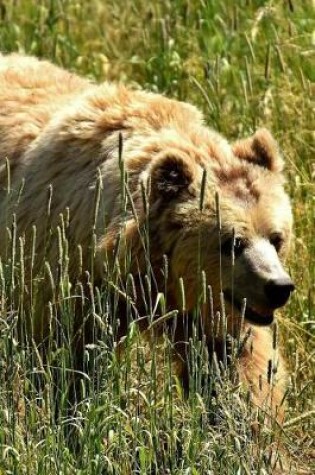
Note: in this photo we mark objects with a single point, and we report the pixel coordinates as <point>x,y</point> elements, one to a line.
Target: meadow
<point>245,63</point>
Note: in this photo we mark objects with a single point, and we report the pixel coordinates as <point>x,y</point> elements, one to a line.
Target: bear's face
<point>237,233</point>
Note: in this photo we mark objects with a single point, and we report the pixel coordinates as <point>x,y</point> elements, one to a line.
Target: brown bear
<point>122,161</point>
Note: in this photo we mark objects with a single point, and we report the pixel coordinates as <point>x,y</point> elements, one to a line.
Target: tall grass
<point>244,63</point>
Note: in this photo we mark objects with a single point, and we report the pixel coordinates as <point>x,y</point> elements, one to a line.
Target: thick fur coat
<point>213,208</point>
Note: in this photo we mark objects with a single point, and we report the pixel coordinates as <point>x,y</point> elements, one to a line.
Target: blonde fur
<point>62,131</point>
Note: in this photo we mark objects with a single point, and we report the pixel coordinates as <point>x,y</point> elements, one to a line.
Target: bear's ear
<point>261,149</point>
<point>170,175</point>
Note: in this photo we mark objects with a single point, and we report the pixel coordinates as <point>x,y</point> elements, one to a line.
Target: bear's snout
<point>278,291</point>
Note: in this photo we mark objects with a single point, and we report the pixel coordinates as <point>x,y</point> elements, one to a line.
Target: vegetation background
<point>245,63</point>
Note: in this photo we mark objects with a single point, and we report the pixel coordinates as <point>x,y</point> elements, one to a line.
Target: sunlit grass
<point>245,64</point>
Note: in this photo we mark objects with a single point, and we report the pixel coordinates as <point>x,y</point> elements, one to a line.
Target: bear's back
<point>31,91</point>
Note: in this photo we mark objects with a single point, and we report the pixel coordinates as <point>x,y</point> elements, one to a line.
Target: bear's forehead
<point>270,212</point>
<point>245,180</point>
<point>245,184</point>
<point>242,189</point>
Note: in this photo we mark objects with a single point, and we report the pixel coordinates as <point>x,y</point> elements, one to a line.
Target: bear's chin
<point>257,319</point>
<point>251,315</point>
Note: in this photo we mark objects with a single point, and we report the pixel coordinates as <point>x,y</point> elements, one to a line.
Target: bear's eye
<point>277,241</point>
<point>233,244</point>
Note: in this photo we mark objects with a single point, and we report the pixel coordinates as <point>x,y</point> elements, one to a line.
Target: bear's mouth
<point>252,314</point>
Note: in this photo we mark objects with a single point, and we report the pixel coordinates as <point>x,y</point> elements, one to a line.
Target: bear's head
<point>221,212</point>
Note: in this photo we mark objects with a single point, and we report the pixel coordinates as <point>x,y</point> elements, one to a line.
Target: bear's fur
<point>61,131</point>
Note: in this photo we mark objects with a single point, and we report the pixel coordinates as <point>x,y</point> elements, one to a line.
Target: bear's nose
<point>278,291</point>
